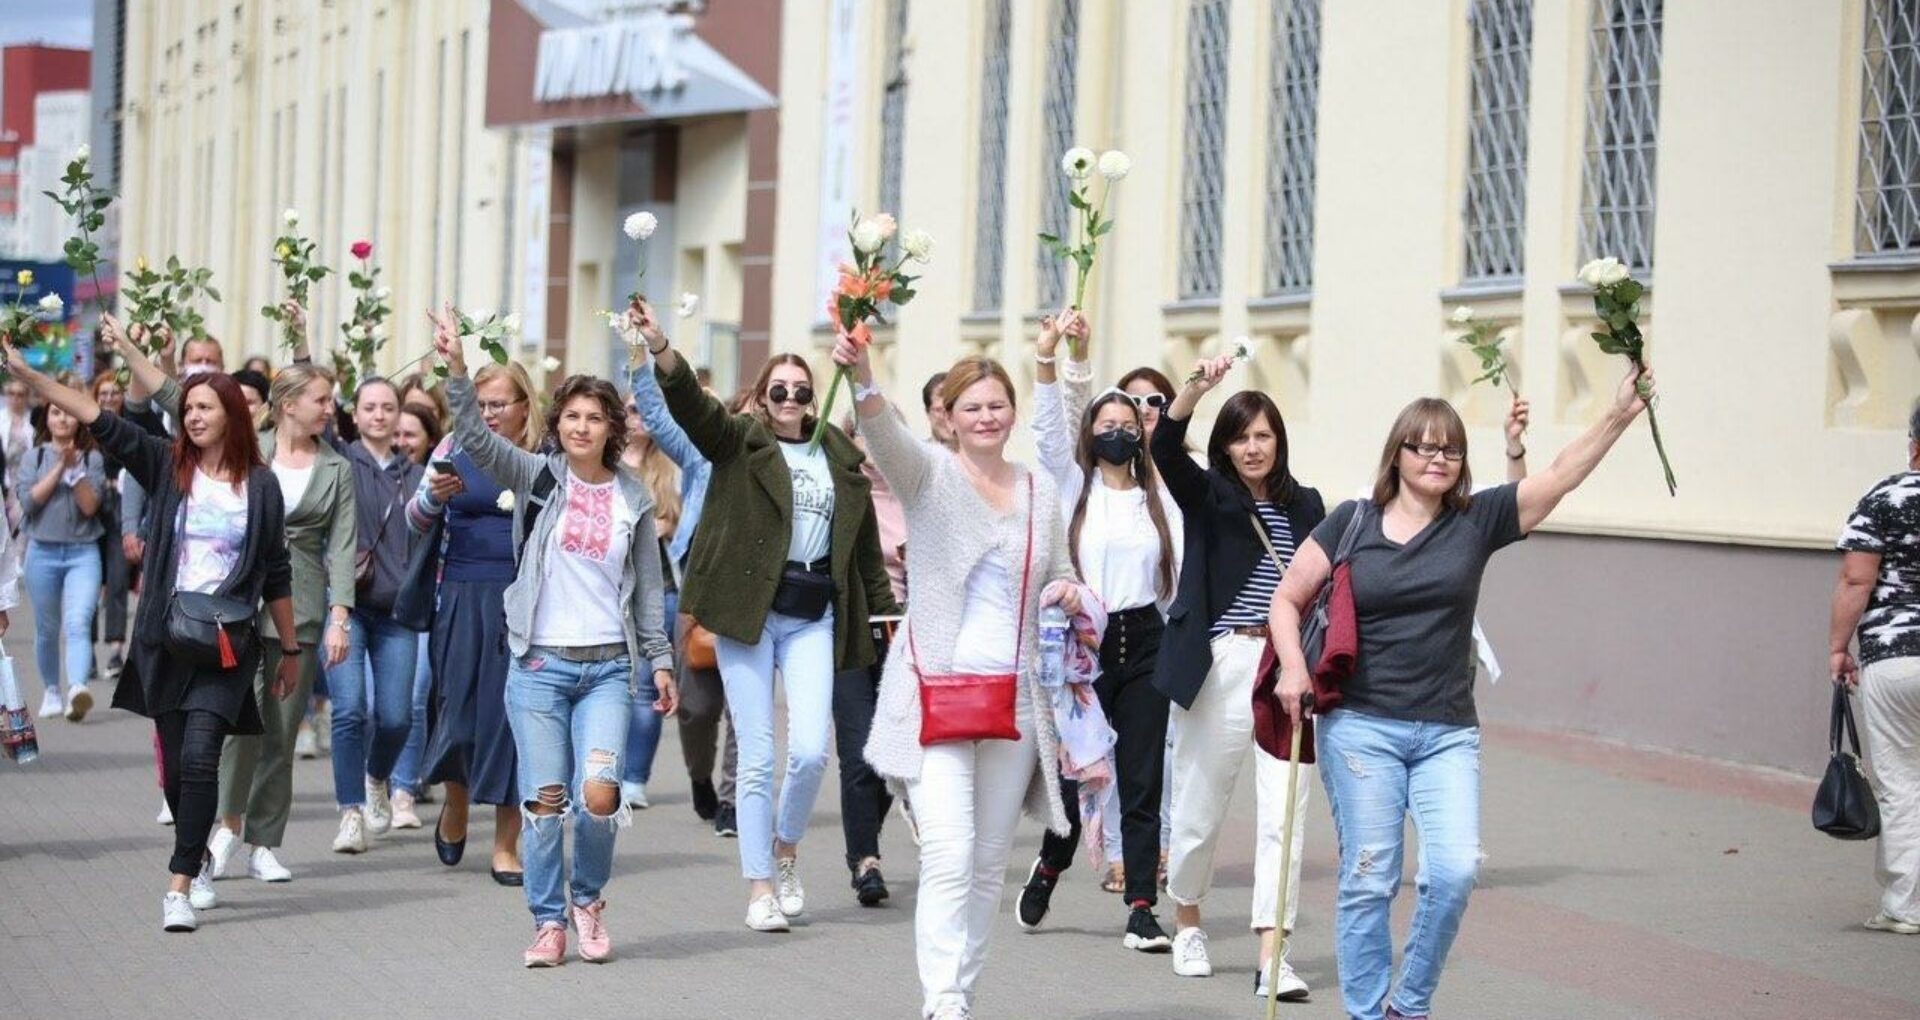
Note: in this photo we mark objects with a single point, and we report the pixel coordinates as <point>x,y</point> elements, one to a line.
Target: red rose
<point>362,250</point>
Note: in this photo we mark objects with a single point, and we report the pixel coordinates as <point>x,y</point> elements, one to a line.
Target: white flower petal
<point>550,364</point>
<point>1077,163</point>
<point>1462,315</point>
<point>640,226</point>
<point>867,237</point>
<point>688,303</point>
<point>918,244</point>
<point>51,304</point>
<point>292,217</point>
<point>1115,164</point>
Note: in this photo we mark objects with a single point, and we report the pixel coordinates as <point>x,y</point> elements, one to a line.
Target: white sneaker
<point>1887,922</point>
<point>763,914</point>
<point>52,706</point>
<point>352,838</point>
<point>1190,954</point>
<point>635,794</point>
<point>1292,989</point>
<point>79,703</point>
<point>793,895</point>
<point>263,865</point>
<point>176,914</point>
<point>165,817</point>
<point>200,894</point>
<point>379,809</point>
<point>305,747</point>
<point>404,816</point>
<point>953,1013</point>
<point>223,846</point>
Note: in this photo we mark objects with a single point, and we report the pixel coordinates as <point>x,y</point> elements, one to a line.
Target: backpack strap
<point>537,500</point>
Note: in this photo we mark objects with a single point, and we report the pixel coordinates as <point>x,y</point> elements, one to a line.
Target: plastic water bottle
<point>1053,646</point>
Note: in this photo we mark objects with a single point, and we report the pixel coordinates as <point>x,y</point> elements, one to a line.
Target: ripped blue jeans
<point>1377,772</point>
<point>569,723</point>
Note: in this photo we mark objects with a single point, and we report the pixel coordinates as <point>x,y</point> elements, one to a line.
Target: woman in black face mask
<point>1124,534</point>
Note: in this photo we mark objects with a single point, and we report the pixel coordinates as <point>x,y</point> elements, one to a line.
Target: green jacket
<point>321,531</point>
<point>740,544</point>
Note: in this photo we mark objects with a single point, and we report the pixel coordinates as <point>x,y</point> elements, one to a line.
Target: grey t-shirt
<point>60,520</point>
<point>1414,605</point>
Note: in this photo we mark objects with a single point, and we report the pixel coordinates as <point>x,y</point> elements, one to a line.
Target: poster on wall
<point>536,173</point>
<point>839,144</point>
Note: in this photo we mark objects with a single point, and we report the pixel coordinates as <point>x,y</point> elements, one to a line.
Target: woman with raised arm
<point>1405,738</point>
<point>649,463</point>
<point>1244,512</point>
<point>116,572</point>
<point>785,571</point>
<point>584,620</point>
<point>62,482</point>
<point>986,550</point>
<point>218,529</point>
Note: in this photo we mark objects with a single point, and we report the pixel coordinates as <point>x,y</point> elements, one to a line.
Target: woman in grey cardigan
<point>976,526</point>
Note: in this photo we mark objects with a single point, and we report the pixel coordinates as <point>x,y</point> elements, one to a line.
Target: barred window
<point>1887,196</point>
<point>1203,171</point>
<point>1623,129</point>
<point>893,108</point>
<point>1495,216</point>
<point>990,200</point>
<point>1293,118</point>
<point>1063,62</point>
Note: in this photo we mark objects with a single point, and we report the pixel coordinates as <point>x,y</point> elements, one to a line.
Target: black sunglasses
<point>778,394</point>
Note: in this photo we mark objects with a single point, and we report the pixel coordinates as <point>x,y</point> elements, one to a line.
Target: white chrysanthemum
<point>1115,164</point>
<point>1242,348</point>
<point>357,333</point>
<point>292,217</point>
<point>641,226</point>
<point>1462,315</point>
<point>918,244</point>
<point>1077,163</point>
<point>550,364</point>
<point>83,153</point>
<point>688,303</point>
<point>867,237</point>
<point>51,304</point>
<point>505,502</point>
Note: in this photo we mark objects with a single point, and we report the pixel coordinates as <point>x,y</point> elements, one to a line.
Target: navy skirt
<point>468,739</point>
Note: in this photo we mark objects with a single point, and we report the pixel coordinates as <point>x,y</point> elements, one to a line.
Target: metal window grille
<point>1203,172</point>
<point>1495,216</point>
<point>1623,129</point>
<point>990,205</point>
<point>893,109</point>
<point>1062,92</point>
<point>1293,119</point>
<point>1887,195</point>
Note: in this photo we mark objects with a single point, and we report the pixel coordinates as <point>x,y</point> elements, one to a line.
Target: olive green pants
<point>256,772</point>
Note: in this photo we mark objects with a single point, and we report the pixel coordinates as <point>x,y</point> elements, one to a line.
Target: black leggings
<point>190,774</point>
<point>864,800</point>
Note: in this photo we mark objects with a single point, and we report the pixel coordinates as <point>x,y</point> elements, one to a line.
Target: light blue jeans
<point>63,580</point>
<point>643,736</point>
<point>569,723</point>
<point>1377,772</point>
<point>385,653</point>
<point>802,650</point>
<point>406,769</point>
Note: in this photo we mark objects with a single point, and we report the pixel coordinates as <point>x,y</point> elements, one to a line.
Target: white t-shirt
<point>989,630</point>
<point>812,501</point>
<point>580,597</point>
<point>1120,547</point>
<point>213,531</point>
<point>293,483</point>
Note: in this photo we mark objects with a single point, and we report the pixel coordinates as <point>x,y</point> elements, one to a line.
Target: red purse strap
<point>1019,620</point>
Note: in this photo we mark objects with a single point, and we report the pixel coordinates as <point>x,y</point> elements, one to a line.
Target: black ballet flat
<point>450,852</point>
<point>512,878</point>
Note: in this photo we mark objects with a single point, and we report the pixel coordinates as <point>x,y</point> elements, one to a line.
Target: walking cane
<point>1286,860</point>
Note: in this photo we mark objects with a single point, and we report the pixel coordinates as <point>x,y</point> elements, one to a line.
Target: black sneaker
<point>724,822</point>
<point>706,803</point>
<point>870,887</point>
<point>1035,897</point>
<point>1145,934</point>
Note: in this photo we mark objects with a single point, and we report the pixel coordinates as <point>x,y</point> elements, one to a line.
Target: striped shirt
<point>1250,607</point>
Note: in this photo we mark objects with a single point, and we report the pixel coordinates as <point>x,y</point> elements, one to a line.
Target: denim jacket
<point>695,469</point>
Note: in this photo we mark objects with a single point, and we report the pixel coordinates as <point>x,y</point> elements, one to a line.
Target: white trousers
<point>1890,726</point>
<point>1211,743</point>
<point>967,805</point>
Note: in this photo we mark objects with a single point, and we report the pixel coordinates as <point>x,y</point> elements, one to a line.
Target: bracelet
<point>1522,455</point>
<point>861,392</point>
<point>657,351</point>
<point>345,624</point>
<point>1044,359</point>
<point>290,652</point>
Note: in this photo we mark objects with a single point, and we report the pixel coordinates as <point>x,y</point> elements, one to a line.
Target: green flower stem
<point>1659,445</point>
<point>826,407</point>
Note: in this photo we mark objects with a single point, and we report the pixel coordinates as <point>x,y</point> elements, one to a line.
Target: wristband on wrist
<point>1522,455</point>
<point>289,652</point>
<point>1044,359</point>
<point>862,391</point>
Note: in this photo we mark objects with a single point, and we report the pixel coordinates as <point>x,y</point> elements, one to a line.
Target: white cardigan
<point>949,529</point>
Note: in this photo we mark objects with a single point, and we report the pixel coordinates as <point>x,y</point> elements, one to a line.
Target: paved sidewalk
<point>1617,884</point>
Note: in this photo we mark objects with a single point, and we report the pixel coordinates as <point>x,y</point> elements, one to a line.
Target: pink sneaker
<point>595,945</point>
<point>549,947</point>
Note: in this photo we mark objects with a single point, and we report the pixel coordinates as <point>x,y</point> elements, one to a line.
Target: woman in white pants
<point>1244,512</point>
<point>986,549</point>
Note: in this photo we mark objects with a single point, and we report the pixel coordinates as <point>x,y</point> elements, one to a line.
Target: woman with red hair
<point>218,529</point>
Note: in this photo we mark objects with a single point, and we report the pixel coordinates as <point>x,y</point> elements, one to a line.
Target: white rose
<point>1115,164</point>
<point>641,226</point>
<point>378,332</point>
<point>357,333</point>
<point>888,225</point>
<point>1614,273</point>
<point>1603,272</point>
<point>83,153</point>
<point>292,217</point>
<point>1077,163</point>
<point>616,320</point>
<point>51,304</point>
<point>918,244</point>
<point>383,294</point>
<point>550,364</point>
<point>505,502</point>
<point>867,237</point>
<point>688,302</point>
<point>1462,315</point>
<point>511,322</point>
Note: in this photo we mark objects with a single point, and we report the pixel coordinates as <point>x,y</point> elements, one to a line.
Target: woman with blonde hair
<point>470,743</point>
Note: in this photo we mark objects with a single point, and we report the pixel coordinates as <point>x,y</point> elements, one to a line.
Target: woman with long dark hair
<point>218,528</point>
<point>63,479</point>
<point>1244,513</point>
<point>116,570</point>
<point>417,433</point>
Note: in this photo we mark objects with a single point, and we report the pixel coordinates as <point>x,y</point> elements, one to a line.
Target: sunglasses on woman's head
<point>1157,401</point>
<point>779,394</point>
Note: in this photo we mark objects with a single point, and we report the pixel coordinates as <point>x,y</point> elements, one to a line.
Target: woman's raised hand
<point>642,320</point>
<point>1636,391</point>
<point>1208,372</point>
<point>1517,417</point>
<point>851,355</point>
<point>446,340</point>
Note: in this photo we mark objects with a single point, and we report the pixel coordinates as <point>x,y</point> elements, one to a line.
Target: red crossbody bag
<point>955,707</point>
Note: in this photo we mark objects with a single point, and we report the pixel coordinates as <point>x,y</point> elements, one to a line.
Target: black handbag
<point>804,593</point>
<point>414,603</point>
<point>1844,805</point>
<point>208,631</point>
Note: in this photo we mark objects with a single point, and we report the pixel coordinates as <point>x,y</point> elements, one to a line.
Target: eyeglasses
<point>1428,451</point>
<point>779,394</point>
<point>499,406</point>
